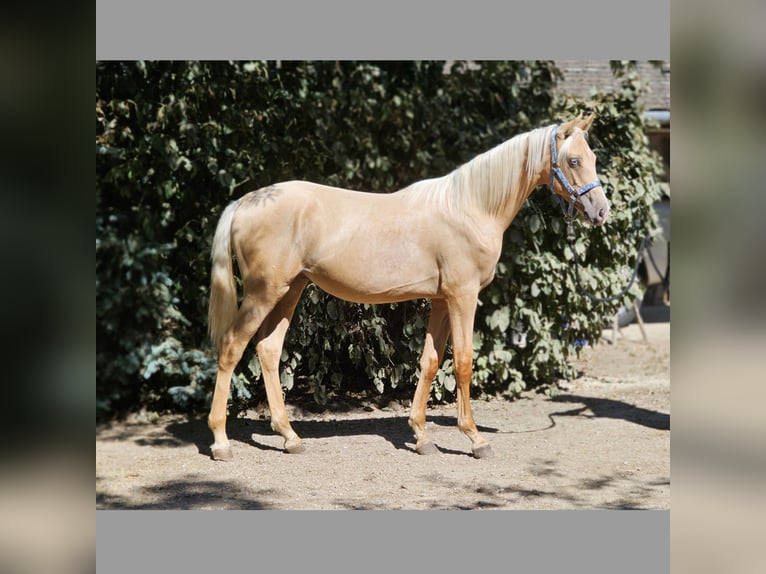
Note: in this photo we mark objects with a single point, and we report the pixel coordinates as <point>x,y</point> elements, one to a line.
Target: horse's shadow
<point>610,408</point>
<point>395,430</point>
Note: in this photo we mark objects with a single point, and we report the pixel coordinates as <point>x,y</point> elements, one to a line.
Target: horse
<point>438,239</point>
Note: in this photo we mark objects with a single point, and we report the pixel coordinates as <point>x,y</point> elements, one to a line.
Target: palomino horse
<point>438,239</point>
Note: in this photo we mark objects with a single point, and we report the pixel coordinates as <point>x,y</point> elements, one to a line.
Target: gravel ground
<point>602,443</point>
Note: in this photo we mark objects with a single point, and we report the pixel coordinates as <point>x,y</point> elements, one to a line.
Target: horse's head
<point>573,171</point>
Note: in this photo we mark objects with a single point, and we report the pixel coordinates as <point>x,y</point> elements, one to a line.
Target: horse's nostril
<point>601,213</point>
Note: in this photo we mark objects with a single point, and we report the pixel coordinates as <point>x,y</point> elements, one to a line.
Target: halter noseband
<point>556,173</point>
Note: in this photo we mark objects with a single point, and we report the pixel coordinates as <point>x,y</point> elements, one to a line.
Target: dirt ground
<point>602,443</point>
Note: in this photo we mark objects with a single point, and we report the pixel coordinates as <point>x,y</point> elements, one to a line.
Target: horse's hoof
<point>426,448</point>
<point>483,451</point>
<point>294,447</point>
<point>223,453</point>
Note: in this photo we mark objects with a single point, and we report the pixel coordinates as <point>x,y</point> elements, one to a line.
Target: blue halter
<point>556,173</point>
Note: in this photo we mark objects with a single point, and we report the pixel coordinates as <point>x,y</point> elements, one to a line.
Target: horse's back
<point>323,205</point>
<point>360,246</point>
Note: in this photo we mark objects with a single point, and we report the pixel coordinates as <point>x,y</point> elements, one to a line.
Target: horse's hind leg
<point>250,315</point>
<point>433,351</point>
<point>229,353</point>
<point>269,343</point>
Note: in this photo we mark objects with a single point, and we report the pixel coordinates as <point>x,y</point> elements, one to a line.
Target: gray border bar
<point>395,29</point>
<point>368,541</point>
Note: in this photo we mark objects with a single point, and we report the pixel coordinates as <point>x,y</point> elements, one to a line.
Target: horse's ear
<point>566,129</point>
<point>584,124</point>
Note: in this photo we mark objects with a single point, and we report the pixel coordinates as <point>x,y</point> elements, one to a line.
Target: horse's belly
<point>373,280</point>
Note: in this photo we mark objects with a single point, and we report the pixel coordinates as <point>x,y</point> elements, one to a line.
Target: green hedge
<point>175,141</point>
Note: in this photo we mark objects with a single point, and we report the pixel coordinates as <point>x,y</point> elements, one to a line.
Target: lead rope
<point>583,291</point>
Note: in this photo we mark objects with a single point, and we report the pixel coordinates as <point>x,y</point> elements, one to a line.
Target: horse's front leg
<point>433,351</point>
<point>461,314</point>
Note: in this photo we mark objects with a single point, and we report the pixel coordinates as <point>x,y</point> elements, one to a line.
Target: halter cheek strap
<point>556,173</point>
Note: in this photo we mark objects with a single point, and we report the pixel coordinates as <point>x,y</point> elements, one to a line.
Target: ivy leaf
<point>500,318</point>
<point>534,223</point>
<point>287,379</point>
<point>255,366</point>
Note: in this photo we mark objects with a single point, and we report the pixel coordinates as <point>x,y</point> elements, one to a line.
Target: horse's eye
<point>574,162</point>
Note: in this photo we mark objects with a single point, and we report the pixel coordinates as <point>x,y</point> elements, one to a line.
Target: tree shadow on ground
<point>622,493</point>
<point>394,429</point>
<point>190,494</point>
<point>610,408</point>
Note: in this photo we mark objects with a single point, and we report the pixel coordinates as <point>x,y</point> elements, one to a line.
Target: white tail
<point>223,290</point>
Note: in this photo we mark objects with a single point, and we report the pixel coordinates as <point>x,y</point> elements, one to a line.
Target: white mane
<point>489,180</point>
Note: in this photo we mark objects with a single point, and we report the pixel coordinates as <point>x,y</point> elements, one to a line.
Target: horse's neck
<point>473,189</point>
<point>523,185</point>
<point>516,199</point>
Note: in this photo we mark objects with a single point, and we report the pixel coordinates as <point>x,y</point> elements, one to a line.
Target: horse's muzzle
<point>600,217</point>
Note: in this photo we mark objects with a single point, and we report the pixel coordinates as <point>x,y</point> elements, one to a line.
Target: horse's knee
<point>463,365</point>
<point>229,351</point>
<point>429,363</point>
<point>268,354</point>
